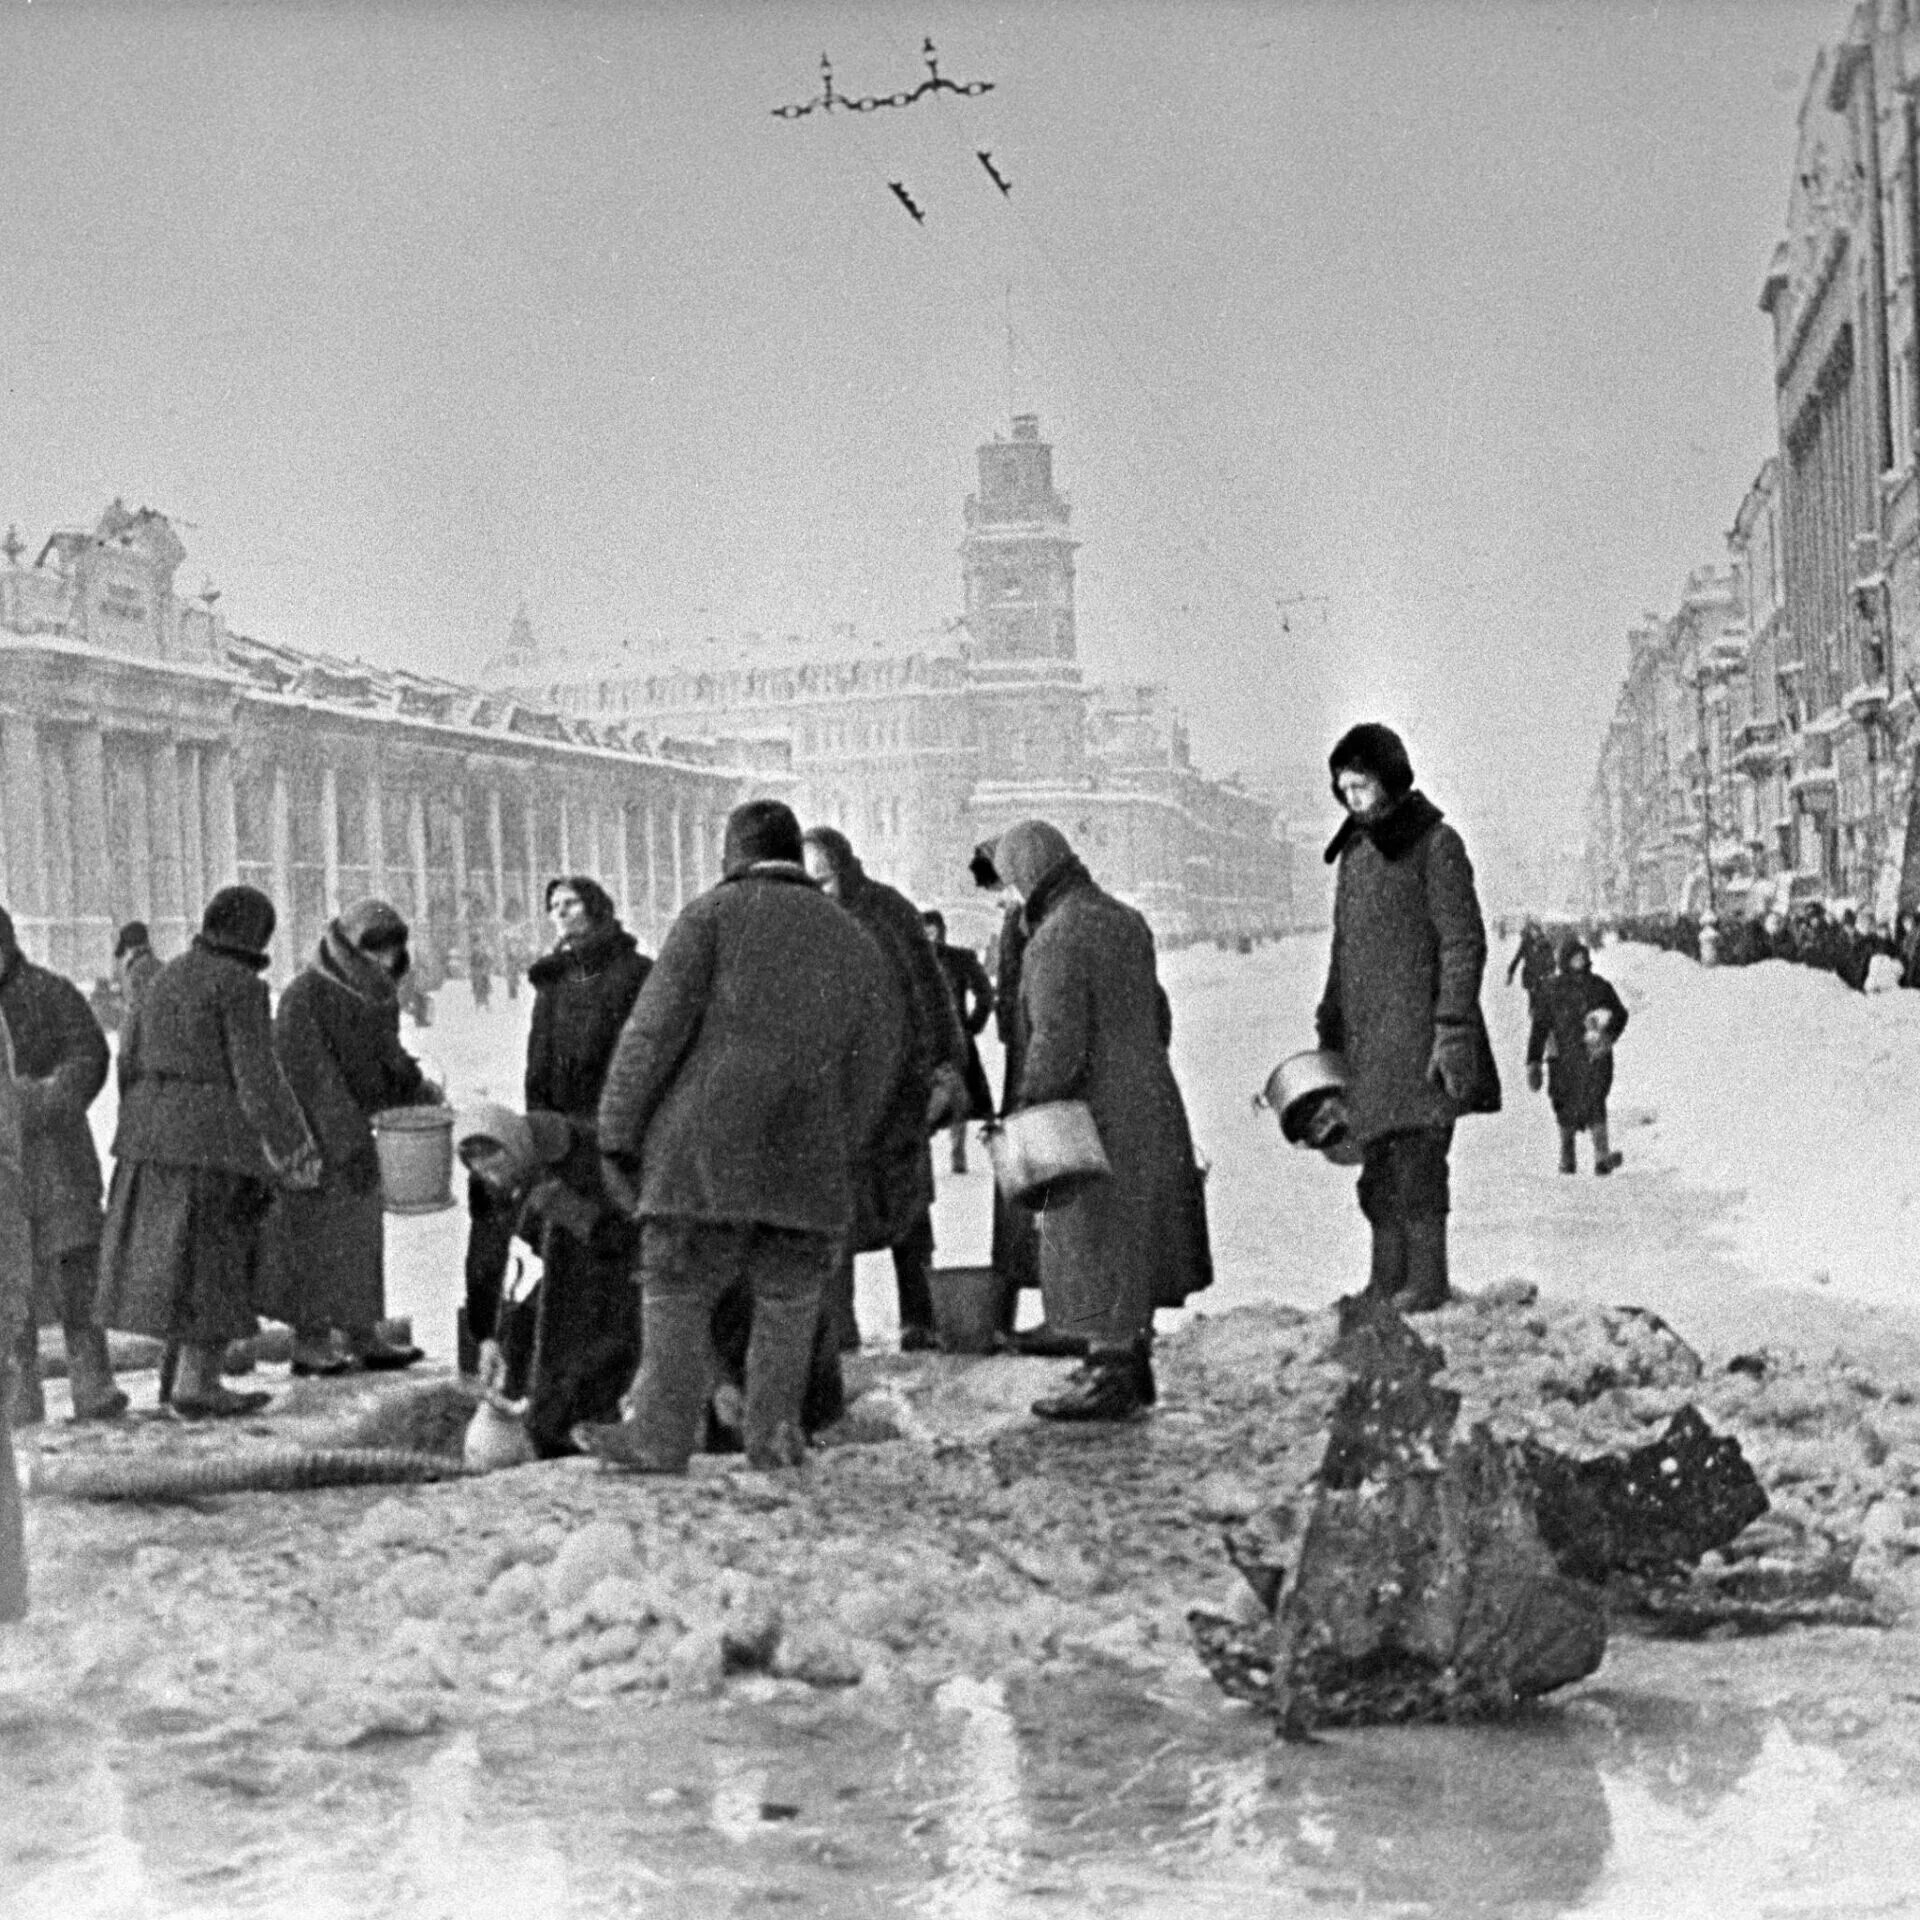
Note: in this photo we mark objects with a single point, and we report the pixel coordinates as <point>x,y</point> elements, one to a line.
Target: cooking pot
<point>1307,1093</point>
<point>1045,1153</point>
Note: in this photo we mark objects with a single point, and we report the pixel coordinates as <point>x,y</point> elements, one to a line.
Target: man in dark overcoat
<point>61,1059</point>
<point>208,1125</point>
<point>1402,1005</point>
<point>972,994</point>
<point>1576,1021</point>
<point>895,1198</point>
<point>746,1087</point>
<point>1097,1025</point>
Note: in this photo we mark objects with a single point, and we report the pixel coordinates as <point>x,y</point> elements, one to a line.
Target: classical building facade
<point>919,754</point>
<point>148,756</point>
<point>1806,741</point>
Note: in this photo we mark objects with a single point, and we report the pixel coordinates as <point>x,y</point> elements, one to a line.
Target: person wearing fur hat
<point>1402,1005</point>
<point>1097,1027</point>
<point>336,1034</point>
<point>1576,1020</point>
<point>208,1127</point>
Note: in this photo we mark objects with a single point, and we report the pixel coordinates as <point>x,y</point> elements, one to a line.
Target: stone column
<point>566,835</point>
<point>168,906</point>
<point>376,805</point>
<point>330,839</point>
<point>624,893</point>
<point>138,828</point>
<point>93,923</point>
<point>457,833</point>
<point>530,831</point>
<point>280,842</point>
<point>219,840</point>
<point>650,826</point>
<point>22,790</point>
<point>497,862</point>
<point>679,857</point>
<point>417,855</point>
<point>193,839</point>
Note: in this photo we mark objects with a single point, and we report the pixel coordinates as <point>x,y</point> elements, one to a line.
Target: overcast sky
<point>1445,312</point>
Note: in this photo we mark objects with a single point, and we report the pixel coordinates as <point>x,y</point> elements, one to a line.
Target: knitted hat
<point>760,830</point>
<point>1372,748</point>
<point>131,938</point>
<point>241,918</point>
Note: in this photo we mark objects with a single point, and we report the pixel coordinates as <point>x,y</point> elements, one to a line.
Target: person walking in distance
<point>1577,1019</point>
<point>1402,1005</point>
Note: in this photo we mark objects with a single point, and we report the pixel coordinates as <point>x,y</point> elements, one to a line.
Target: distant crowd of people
<point>1844,943</point>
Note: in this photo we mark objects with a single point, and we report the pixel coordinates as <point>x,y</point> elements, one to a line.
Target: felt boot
<point>1387,1271</point>
<point>198,1393</point>
<point>1604,1158</point>
<point>1426,1286</point>
<point>1567,1162</point>
<point>90,1375</point>
<point>26,1400</point>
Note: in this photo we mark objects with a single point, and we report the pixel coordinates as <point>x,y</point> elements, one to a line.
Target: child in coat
<point>1576,1021</point>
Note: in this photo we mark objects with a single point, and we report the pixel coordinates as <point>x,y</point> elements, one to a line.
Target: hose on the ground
<point>261,1470</point>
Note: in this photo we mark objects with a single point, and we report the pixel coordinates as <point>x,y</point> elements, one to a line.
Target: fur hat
<point>1372,748</point>
<point>760,830</point>
<point>131,938</point>
<point>240,919</point>
<point>372,926</point>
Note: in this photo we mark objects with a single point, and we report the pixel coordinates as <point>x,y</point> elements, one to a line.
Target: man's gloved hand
<point>1452,1065</point>
<point>947,1098</point>
<point>1535,1076</point>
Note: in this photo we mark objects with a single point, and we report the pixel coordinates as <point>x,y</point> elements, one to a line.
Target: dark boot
<point>1107,1387</point>
<point>13,1536</point>
<point>90,1375</point>
<point>197,1390</point>
<point>1604,1158</point>
<point>26,1400</point>
<point>1387,1272</point>
<point>1567,1163</point>
<point>1143,1383</point>
<point>1426,1286</point>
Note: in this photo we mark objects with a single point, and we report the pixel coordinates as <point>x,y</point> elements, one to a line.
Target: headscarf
<point>1372,748</point>
<point>1028,854</point>
<point>486,1120</point>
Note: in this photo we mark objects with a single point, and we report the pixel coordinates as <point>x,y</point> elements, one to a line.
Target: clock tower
<point>1016,561</point>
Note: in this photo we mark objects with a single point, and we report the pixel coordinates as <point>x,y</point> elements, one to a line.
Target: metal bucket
<point>966,1308</point>
<point>1300,1091</point>
<point>1046,1153</point>
<point>415,1145</point>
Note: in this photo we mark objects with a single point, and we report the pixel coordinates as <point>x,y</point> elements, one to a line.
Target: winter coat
<point>896,1175</point>
<point>972,995</point>
<point>199,1083</point>
<point>1095,1021</point>
<point>1578,1082</point>
<point>60,1060</point>
<point>1007,1022</point>
<point>582,994</point>
<point>336,1034</point>
<point>135,972</point>
<point>758,1060</point>
<point>1409,949</point>
<point>16,1241</point>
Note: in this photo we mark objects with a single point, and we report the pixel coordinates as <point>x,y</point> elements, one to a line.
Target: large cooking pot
<point>1045,1153</point>
<point>1307,1093</point>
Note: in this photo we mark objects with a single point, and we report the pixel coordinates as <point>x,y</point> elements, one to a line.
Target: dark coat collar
<point>241,956</point>
<point>1051,890</point>
<point>788,873</point>
<point>599,947</point>
<point>1396,833</point>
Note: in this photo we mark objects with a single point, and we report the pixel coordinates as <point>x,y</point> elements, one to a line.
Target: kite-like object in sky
<point>828,100</point>
<point>993,173</point>
<point>901,194</point>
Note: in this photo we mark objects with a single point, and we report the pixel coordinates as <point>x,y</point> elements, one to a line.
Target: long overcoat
<point>1578,1082</point>
<point>206,1121</point>
<point>61,1060</point>
<point>1409,950</point>
<point>1097,1028</point>
<point>896,1174</point>
<point>758,1059</point>
<point>582,994</point>
<point>336,1034</point>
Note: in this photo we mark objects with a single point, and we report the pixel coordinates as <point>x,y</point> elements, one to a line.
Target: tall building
<point>919,754</point>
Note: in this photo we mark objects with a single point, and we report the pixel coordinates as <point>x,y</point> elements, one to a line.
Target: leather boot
<point>1567,1164</point>
<point>374,1354</point>
<point>90,1375</point>
<point>1107,1387</point>
<point>1387,1272</point>
<point>1426,1286</point>
<point>198,1393</point>
<point>26,1400</point>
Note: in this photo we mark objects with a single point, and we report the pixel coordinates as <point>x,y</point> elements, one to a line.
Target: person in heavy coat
<point>747,1087</point>
<point>1097,1028</point>
<point>582,993</point>
<point>336,1033</point>
<point>61,1059</point>
<point>16,1310</point>
<point>1402,1005</point>
<point>895,1197</point>
<point>135,965</point>
<point>208,1126</point>
<point>972,994</point>
<point>1576,1021</point>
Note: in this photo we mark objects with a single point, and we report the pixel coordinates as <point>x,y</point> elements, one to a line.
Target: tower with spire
<point>1016,561</point>
<point>518,661</point>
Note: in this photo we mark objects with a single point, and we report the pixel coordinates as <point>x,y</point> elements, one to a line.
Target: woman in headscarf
<point>337,1035</point>
<point>1097,1028</point>
<point>582,993</point>
<point>207,1126</point>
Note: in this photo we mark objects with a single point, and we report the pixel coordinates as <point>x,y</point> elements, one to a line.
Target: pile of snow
<point>1778,1083</point>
